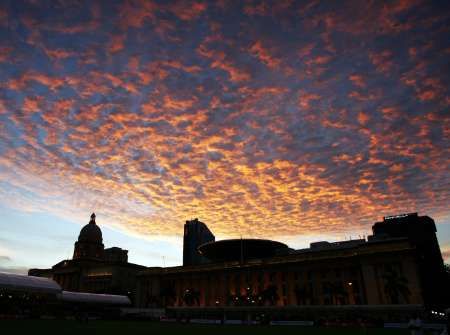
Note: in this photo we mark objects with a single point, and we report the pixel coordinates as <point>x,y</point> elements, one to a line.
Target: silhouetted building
<point>196,233</point>
<point>421,232</point>
<point>93,268</point>
<point>394,273</point>
<point>381,276</point>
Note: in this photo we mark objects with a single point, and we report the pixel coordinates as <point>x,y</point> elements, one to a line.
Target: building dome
<point>91,233</point>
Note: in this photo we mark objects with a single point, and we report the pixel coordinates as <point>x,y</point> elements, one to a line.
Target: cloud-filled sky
<point>276,119</point>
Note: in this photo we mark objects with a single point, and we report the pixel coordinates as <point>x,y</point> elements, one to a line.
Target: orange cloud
<point>171,103</point>
<point>220,61</point>
<point>133,13</point>
<point>357,80</point>
<point>257,9</point>
<point>382,61</point>
<point>306,98</point>
<point>263,55</point>
<point>187,11</point>
<point>117,43</point>
<point>363,118</point>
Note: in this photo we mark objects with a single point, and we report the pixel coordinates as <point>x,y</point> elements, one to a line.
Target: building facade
<point>338,275</point>
<point>386,270</point>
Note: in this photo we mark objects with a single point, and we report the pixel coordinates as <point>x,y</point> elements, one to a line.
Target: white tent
<point>101,299</point>
<point>30,284</point>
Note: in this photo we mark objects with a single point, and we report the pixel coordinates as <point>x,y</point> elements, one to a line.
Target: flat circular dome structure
<point>91,233</point>
<point>241,249</point>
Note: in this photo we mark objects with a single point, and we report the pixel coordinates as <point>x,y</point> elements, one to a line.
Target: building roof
<point>240,249</point>
<point>383,247</point>
<point>93,298</point>
<point>91,233</point>
<point>15,282</point>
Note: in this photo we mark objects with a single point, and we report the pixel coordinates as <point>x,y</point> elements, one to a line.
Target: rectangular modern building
<point>196,233</point>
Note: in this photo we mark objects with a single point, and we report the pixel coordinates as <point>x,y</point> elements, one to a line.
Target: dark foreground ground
<point>136,328</point>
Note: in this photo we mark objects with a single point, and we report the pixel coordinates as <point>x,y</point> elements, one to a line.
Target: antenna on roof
<point>242,252</point>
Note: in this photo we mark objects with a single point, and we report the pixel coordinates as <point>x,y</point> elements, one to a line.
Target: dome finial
<point>92,218</point>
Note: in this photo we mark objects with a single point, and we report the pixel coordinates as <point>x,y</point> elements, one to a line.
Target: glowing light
<point>391,217</point>
<point>99,274</point>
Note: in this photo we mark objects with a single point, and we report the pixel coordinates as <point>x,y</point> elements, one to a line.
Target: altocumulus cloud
<point>309,118</point>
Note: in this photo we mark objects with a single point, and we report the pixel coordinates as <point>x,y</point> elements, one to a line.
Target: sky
<point>291,120</point>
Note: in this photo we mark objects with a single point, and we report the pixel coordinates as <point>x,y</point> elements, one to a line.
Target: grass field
<point>136,328</point>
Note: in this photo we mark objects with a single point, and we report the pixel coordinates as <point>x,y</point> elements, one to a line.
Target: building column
<point>370,285</point>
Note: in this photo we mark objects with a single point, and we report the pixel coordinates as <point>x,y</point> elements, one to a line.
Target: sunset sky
<point>291,120</point>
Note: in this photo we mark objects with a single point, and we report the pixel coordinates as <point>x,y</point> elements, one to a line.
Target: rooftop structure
<point>240,250</point>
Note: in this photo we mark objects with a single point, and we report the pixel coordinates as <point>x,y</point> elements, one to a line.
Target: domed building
<point>94,268</point>
<point>90,242</point>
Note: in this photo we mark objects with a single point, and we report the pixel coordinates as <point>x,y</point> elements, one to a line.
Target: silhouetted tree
<point>191,297</point>
<point>270,294</point>
<point>395,286</point>
<point>249,298</point>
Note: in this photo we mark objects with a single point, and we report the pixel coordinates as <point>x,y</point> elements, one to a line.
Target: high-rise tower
<point>196,233</point>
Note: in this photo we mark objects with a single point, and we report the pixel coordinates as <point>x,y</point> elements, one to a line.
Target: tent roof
<point>16,282</point>
<point>105,299</point>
